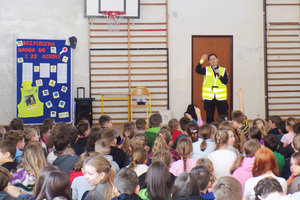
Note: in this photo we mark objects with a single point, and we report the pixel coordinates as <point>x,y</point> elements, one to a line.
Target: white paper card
<point>27,70</point>
<point>62,73</point>
<point>44,70</point>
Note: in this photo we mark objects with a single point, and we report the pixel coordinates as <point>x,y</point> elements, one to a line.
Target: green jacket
<point>143,194</point>
<point>151,134</point>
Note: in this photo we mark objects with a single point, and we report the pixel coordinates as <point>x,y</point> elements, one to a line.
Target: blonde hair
<point>82,158</point>
<point>226,125</point>
<point>29,132</point>
<point>208,163</point>
<point>102,146</point>
<point>291,121</point>
<point>33,159</point>
<point>261,124</point>
<point>221,138</point>
<point>128,134</point>
<point>139,140</point>
<point>163,156</point>
<point>238,135</point>
<point>102,165</point>
<point>184,148</point>
<point>138,156</point>
<point>161,142</point>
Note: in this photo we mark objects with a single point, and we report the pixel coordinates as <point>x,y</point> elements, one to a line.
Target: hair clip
<point>134,160</point>
<point>160,134</point>
<point>193,131</point>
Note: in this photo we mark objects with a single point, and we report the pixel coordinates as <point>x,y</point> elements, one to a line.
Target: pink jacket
<point>244,171</point>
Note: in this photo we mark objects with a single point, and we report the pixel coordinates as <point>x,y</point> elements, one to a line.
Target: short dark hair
<point>82,126</point>
<point>8,146</point>
<point>49,122</point>
<point>276,119</point>
<point>104,119</point>
<point>95,134</point>
<point>61,140</point>
<point>212,55</point>
<point>267,186</point>
<point>202,175</point>
<point>254,132</point>
<point>43,130</point>
<point>140,124</point>
<point>15,136</point>
<point>16,124</point>
<point>126,181</point>
<point>184,186</point>
<point>183,122</point>
<point>221,119</point>
<point>129,125</point>
<point>155,120</point>
<point>271,142</point>
<point>281,127</point>
<point>73,133</point>
<point>109,134</point>
<point>238,116</point>
<point>296,128</point>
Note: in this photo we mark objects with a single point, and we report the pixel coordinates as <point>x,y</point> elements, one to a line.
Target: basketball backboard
<point>94,8</point>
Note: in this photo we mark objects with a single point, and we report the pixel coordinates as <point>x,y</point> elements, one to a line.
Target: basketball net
<point>113,19</point>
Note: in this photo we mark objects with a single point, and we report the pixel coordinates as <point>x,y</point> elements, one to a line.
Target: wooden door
<point>222,47</point>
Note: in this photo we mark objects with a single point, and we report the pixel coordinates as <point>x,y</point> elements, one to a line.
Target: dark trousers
<point>210,105</point>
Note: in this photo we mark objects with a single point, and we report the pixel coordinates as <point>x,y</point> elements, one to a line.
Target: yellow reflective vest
<point>212,86</point>
<point>30,105</point>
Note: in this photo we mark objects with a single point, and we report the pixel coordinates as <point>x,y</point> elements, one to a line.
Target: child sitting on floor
<point>184,148</point>
<point>203,175</point>
<point>126,185</point>
<point>7,154</point>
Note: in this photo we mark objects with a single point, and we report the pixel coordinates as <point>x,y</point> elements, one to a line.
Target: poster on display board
<point>43,80</point>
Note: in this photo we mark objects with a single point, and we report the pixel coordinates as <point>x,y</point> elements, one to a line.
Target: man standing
<point>214,89</point>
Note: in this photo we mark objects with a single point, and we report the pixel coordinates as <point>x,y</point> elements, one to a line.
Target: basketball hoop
<point>113,18</point>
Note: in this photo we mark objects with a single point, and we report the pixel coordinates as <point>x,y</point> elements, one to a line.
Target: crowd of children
<point>185,159</point>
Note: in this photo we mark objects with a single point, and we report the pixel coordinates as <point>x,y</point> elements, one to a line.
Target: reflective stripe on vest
<point>212,86</point>
<point>30,105</point>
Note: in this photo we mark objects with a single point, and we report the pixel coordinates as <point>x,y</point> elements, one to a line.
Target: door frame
<point>231,69</point>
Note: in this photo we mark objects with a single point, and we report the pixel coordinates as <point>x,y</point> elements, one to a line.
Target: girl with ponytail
<point>242,167</point>
<point>138,161</point>
<point>128,134</point>
<point>205,143</point>
<point>162,142</point>
<point>186,163</point>
<point>222,158</point>
<point>192,130</point>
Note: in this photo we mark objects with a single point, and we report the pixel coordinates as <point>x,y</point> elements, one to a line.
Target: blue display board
<point>43,80</point>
